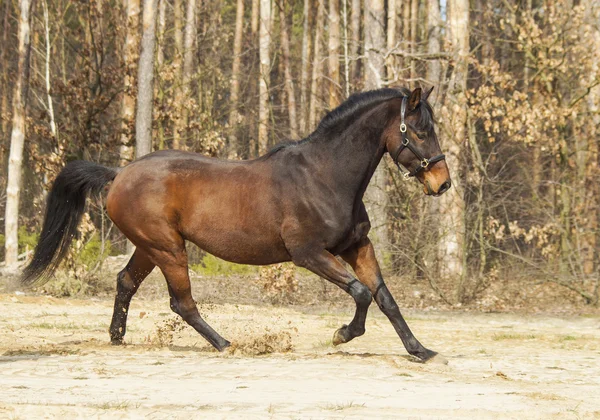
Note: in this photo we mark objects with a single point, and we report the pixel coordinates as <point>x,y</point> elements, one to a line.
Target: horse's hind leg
<point>128,281</point>
<point>362,259</point>
<point>175,269</point>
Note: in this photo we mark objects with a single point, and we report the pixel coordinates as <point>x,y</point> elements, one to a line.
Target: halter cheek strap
<point>406,144</point>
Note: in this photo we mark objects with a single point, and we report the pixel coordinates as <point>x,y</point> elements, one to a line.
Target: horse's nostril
<point>444,187</point>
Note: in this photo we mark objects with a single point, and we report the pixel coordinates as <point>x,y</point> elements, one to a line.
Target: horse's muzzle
<point>441,190</point>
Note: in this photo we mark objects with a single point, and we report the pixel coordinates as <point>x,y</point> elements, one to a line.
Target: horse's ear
<point>426,94</point>
<point>415,99</point>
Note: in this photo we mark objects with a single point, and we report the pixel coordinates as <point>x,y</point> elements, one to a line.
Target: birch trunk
<point>317,67</point>
<point>414,12</point>
<point>4,104</point>
<point>17,138</point>
<point>452,205</point>
<point>289,81</point>
<point>130,58</point>
<point>234,116</point>
<point>143,120</point>
<point>264,76</point>
<point>375,196</point>
<point>434,69</point>
<point>334,51</point>
<point>391,33</point>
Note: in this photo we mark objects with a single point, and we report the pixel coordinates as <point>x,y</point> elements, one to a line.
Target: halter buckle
<point>403,128</point>
<point>405,141</point>
<point>425,163</point>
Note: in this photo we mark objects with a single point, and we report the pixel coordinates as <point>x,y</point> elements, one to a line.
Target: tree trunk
<point>255,17</point>
<point>414,13</point>
<point>130,58</point>
<point>5,85</point>
<point>375,196</point>
<point>143,120</point>
<point>289,81</point>
<point>305,67</point>
<point>178,70</point>
<point>234,116</point>
<point>452,204</point>
<point>162,24</point>
<point>17,138</point>
<point>434,68</point>
<point>317,67</point>
<point>391,34</point>
<point>264,77</point>
<point>181,123</point>
<point>355,41</point>
<point>334,51</point>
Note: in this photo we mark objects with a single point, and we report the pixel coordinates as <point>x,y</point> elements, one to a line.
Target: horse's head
<point>412,143</point>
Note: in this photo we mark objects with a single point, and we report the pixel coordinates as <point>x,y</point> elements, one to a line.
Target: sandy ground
<point>56,362</point>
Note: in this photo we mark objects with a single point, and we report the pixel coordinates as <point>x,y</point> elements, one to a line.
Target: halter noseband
<point>406,144</point>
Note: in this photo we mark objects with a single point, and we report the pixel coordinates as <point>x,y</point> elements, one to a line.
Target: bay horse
<point>300,202</point>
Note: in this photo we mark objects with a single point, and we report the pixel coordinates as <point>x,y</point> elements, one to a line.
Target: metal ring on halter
<point>425,163</point>
<point>405,141</point>
<point>403,128</point>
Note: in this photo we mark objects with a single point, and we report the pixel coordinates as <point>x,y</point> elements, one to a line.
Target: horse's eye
<point>422,135</point>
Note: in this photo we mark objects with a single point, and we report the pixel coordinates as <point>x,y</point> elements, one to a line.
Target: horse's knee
<point>361,293</point>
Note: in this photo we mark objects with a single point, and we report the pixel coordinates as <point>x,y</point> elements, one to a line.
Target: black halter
<point>406,144</point>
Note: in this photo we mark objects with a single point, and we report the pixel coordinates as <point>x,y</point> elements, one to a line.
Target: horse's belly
<point>237,247</point>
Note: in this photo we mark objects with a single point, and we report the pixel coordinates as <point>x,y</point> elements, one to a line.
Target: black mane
<point>357,104</point>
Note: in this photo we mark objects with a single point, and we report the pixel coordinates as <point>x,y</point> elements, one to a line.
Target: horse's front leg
<point>361,257</point>
<point>325,265</point>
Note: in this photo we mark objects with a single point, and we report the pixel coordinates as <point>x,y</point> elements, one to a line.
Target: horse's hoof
<point>117,342</point>
<point>223,346</point>
<point>339,337</point>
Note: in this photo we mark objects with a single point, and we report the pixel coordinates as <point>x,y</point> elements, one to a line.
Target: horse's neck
<point>354,155</point>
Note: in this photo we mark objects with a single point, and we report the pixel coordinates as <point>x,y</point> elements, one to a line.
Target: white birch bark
<point>143,120</point>
<point>17,139</point>
<point>264,76</point>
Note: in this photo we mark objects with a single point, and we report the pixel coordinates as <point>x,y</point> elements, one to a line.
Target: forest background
<point>516,100</point>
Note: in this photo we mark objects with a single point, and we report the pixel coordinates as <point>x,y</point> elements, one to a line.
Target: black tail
<point>65,207</point>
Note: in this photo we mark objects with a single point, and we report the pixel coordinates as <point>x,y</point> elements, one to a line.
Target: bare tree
<point>130,57</point>
<point>317,66</point>
<point>143,120</point>
<point>188,61</point>
<point>254,18</point>
<point>306,40</point>
<point>433,46</point>
<point>391,32</point>
<point>234,116</point>
<point>334,51</point>
<point>17,138</point>
<point>178,69</point>
<point>289,81</point>
<point>355,38</point>
<point>264,76</point>
<point>452,204</point>
<point>375,196</point>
